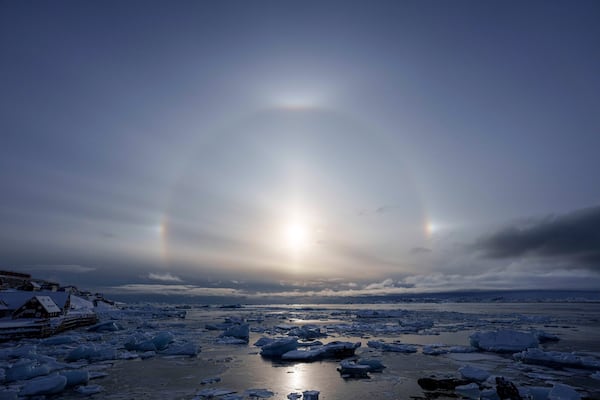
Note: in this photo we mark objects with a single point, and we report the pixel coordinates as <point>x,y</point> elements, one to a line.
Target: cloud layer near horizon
<point>574,238</point>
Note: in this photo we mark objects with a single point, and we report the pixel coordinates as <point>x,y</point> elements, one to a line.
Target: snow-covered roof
<point>16,298</point>
<point>48,304</point>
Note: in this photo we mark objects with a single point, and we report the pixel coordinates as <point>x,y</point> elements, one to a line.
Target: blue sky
<point>282,147</point>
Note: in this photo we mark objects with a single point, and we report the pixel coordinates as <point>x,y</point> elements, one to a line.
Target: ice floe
<point>330,350</point>
<point>392,347</point>
<point>557,359</point>
<point>278,348</point>
<point>474,373</point>
<point>503,341</point>
<point>52,384</point>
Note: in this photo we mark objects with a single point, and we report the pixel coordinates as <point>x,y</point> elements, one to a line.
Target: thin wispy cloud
<point>164,277</point>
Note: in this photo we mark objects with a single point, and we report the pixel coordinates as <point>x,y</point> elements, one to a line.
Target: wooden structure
<point>38,307</point>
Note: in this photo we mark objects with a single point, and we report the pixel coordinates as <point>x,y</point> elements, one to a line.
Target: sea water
<point>240,367</point>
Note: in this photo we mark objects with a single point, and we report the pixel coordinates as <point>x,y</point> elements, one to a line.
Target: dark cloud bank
<point>572,237</point>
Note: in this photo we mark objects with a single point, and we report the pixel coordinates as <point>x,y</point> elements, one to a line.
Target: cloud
<point>186,290</point>
<point>387,283</point>
<point>378,210</point>
<point>166,277</point>
<point>60,268</point>
<point>572,237</point>
<point>420,250</point>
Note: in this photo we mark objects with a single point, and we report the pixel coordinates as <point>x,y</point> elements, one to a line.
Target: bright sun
<point>296,236</point>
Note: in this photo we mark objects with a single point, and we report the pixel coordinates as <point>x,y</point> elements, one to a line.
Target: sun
<point>296,235</point>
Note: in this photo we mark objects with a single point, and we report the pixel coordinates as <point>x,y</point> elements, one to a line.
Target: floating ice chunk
<point>392,347</point>
<point>310,395</point>
<point>147,354</point>
<point>294,396</point>
<point>162,340</point>
<point>307,332</point>
<point>434,350</point>
<point>470,391</point>
<point>263,341</point>
<point>330,350</point>
<point>474,373</point>
<point>461,349</point>
<point>109,326</point>
<point>208,381</point>
<point>503,341</point>
<point>44,385</point>
<point>92,353</point>
<point>543,336</point>
<point>490,394</point>
<point>140,342</point>
<point>25,369</point>
<point>210,393</point>
<point>27,351</point>
<point>58,340</point>
<point>279,347</point>
<point>380,313</point>
<point>8,394</point>
<point>97,374</point>
<point>350,369</point>
<point>374,364</point>
<point>230,340</point>
<point>89,390</point>
<point>127,355</point>
<point>557,359</point>
<point>563,392</point>
<point>259,393</point>
<point>241,331</point>
<point>76,377</point>
<point>536,392</point>
<point>184,349</point>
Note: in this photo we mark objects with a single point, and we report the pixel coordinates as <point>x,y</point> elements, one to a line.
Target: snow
<point>48,304</point>
<point>45,385</point>
<point>82,305</point>
<point>503,341</point>
<point>473,373</point>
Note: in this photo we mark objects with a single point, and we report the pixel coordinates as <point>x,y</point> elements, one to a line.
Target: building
<point>21,304</point>
<point>38,307</point>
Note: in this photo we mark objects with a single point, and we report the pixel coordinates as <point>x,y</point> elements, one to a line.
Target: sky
<point>278,148</point>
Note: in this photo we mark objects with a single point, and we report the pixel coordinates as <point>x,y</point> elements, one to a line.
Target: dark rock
<point>441,384</point>
<point>506,389</point>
